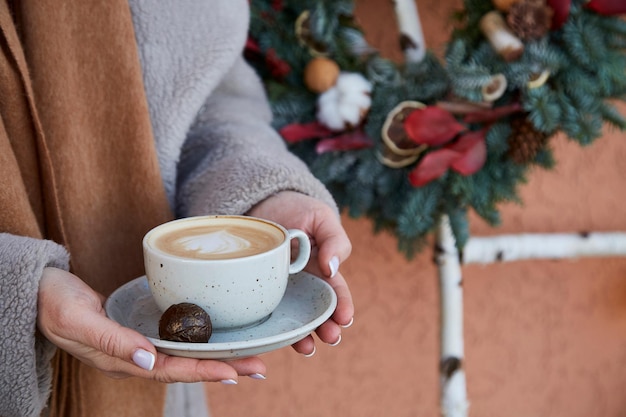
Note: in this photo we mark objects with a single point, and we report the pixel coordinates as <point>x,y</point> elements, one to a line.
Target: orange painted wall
<point>543,338</point>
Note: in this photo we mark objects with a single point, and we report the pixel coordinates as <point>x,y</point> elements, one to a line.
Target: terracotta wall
<point>543,338</point>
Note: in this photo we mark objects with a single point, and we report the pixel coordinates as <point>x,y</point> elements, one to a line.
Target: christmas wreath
<point>405,144</point>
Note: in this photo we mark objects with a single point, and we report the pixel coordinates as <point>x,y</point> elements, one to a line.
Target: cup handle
<point>304,252</point>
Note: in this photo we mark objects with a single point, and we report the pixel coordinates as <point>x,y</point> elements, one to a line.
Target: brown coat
<point>78,164</point>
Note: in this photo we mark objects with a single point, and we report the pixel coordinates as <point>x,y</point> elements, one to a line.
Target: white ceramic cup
<point>235,267</point>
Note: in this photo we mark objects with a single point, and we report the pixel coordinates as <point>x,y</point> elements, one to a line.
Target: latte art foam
<point>224,240</point>
<point>219,242</point>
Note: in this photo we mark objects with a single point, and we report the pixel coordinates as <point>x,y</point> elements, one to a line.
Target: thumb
<point>116,341</point>
<point>71,315</point>
<point>333,244</point>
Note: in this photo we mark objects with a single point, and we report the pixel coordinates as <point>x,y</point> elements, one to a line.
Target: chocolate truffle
<point>185,322</point>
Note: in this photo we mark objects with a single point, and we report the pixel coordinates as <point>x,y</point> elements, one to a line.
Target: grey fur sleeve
<point>233,158</point>
<point>25,371</point>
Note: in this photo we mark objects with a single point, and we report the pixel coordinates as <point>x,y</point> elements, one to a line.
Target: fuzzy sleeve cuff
<point>25,371</point>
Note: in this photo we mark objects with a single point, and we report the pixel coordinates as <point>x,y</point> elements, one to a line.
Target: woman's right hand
<point>71,315</point>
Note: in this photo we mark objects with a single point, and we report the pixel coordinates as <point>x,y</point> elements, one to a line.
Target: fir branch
<point>497,140</point>
<point>418,213</point>
<point>612,116</point>
<point>584,40</point>
<point>545,158</point>
<point>543,108</point>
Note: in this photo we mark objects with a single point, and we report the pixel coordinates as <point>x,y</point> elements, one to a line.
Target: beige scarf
<point>78,165</point>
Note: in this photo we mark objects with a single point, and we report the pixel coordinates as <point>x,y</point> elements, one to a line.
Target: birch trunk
<point>503,248</point>
<point>453,387</point>
<point>411,34</point>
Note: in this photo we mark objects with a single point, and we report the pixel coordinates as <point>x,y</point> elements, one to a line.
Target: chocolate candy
<point>185,322</point>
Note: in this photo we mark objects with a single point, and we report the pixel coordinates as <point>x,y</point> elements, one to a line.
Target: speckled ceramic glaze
<point>308,302</point>
<point>236,292</point>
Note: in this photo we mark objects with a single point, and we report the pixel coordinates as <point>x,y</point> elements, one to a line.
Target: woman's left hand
<point>330,246</point>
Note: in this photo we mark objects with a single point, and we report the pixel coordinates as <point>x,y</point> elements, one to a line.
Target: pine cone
<point>530,19</point>
<point>525,141</point>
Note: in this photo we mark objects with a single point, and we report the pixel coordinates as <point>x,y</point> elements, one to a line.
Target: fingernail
<point>144,359</point>
<point>337,342</point>
<point>257,376</point>
<point>308,355</point>
<point>334,266</point>
<point>228,382</point>
<point>345,326</point>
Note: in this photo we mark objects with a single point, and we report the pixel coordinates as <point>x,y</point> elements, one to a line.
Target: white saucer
<point>308,302</point>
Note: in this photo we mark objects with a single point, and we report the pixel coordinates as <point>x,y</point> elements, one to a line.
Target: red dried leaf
<point>607,7</point>
<point>473,152</point>
<point>279,68</point>
<point>491,115</point>
<point>297,132</point>
<point>561,12</point>
<point>432,126</point>
<point>252,46</point>
<point>432,166</point>
<point>350,141</point>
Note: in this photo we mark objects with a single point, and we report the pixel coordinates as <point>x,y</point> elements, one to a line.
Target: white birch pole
<point>453,387</point>
<point>411,34</point>
<point>503,248</point>
<point>453,395</point>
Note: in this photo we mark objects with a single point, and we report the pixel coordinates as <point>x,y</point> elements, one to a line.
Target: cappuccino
<point>222,239</point>
<point>236,268</point>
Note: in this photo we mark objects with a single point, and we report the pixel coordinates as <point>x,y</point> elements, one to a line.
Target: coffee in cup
<point>234,267</point>
<point>220,240</point>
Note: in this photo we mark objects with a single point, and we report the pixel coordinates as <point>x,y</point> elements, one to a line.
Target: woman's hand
<point>330,247</point>
<point>71,316</point>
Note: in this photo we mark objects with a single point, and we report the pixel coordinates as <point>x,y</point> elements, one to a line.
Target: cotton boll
<point>328,110</point>
<point>346,103</point>
<point>349,82</point>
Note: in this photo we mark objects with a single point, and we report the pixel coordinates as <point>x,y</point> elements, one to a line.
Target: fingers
<point>170,369</point>
<point>344,313</point>
<point>305,346</point>
<point>71,316</point>
<point>178,369</point>
<point>330,331</point>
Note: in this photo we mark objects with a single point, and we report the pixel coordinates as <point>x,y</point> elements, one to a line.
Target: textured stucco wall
<point>543,338</point>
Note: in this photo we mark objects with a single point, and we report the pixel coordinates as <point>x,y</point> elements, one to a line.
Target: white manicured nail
<point>334,266</point>
<point>257,376</point>
<point>228,382</point>
<point>144,359</point>
<point>345,326</point>
<point>337,342</point>
<point>308,355</point>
